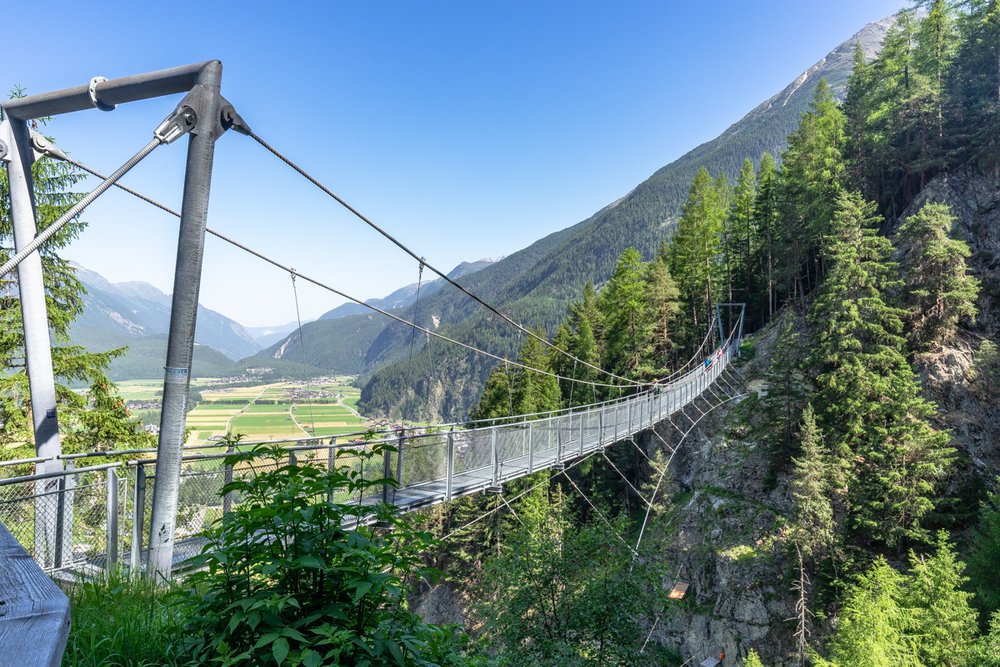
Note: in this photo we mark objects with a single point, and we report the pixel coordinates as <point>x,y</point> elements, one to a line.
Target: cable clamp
<point>181,121</point>
<point>232,120</point>
<point>92,89</point>
<point>41,144</point>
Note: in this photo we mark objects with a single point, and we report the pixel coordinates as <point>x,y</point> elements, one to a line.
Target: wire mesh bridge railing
<point>87,518</point>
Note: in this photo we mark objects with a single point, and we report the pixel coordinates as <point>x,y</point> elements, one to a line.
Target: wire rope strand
<point>342,294</point>
<point>302,344</point>
<point>78,207</point>
<point>399,244</point>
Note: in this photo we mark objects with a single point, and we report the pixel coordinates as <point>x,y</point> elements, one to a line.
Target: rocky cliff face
<point>952,376</point>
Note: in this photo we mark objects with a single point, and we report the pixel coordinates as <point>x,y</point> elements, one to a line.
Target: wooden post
<point>400,443</point>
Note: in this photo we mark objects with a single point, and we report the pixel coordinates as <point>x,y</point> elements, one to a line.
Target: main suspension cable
<point>77,208</point>
<point>399,244</point>
<point>291,271</point>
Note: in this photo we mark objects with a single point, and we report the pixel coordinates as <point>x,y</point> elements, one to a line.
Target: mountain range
<point>532,285</point>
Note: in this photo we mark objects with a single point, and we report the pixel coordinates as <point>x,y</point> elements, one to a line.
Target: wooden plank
<point>678,591</point>
<point>34,613</point>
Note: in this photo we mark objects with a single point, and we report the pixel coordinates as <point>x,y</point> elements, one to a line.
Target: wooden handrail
<point>34,613</point>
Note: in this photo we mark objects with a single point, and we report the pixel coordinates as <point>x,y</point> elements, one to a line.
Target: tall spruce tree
<point>741,232</point>
<point>813,524</point>
<point>868,399</point>
<point>871,631</point>
<point>812,173</point>
<point>940,619</point>
<point>767,212</point>
<point>85,419</point>
<point>696,251</point>
<point>628,317</point>
<point>664,303</point>
<point>939,290</point>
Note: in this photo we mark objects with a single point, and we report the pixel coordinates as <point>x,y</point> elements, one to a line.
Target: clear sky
<point>468,129</point>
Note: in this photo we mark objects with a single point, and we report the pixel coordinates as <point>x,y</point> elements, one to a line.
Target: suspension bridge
<point>150,508</point>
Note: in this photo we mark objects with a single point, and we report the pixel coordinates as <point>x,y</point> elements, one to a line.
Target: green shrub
<point>286,581</point>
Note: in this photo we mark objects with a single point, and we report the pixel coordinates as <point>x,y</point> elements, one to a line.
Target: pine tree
<point>934,50</point>
<point>741,232</point>
<point>627,317</point>
<point>939,289</point>
<point>813,526</point>
<point>752,659</point>
<point>767,212</point>
<point>872,627</point>
<point>985,556</point>
<point>974,85</point>
<point>812,172</point>
<point>940,618</point>
<point>868,397</point>
<point>696,250</point>
<point>534,392</point>
<point>986,652</point>
<point>664,303</point>
<point>54,184</point>
<point>497,399</point>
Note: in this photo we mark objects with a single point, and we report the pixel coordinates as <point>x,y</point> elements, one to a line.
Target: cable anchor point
<point>182,120</point>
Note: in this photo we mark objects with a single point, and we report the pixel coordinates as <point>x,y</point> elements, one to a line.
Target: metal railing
<point>86,518</point>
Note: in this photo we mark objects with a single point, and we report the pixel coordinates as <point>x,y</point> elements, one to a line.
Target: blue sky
<point>468,129</point>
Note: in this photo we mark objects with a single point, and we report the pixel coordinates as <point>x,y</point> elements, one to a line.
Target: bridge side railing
<point>95,517</point>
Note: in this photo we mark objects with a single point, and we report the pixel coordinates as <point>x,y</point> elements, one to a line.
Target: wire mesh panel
<point>425,459</point>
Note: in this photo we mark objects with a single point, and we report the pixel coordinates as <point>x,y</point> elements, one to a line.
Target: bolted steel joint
<point>176,125</point>
<point>92,89</point>
<point>41,145</point>
<point>232,120</point>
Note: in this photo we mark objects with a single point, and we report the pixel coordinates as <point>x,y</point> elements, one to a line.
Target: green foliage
<point>119,620</point>
<point>563,594</point>
<point>696,251</point>
<point>986,652</point>
<point>812,172</point>
<point>813,525</point>
<point>752,659</point>
<point>54,183</point>
<point>985,556</point>
<point>284,581</point>
<point>922,618</point>
<point>986,380</point>
<point>868,398</point>
<point>940,619</point>
<point>627,315</point>
<point>939,289</point>
<point>872,627</point>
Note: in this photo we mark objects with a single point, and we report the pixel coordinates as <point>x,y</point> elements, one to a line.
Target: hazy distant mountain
<point>405,296</point>
<point>342,340</point>
<point>267,336</point>
<point>535,283</point>
<point>116,314</point>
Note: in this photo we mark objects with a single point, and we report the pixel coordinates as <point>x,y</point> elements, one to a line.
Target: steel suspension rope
<point>78,208</point>
<point>322,285</point>
<point>399,244</point>
<point>302,344</point>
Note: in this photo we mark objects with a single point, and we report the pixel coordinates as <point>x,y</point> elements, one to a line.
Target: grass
<point>121,620</point>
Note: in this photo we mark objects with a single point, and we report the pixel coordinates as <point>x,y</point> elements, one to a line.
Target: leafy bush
<point>286,580</point>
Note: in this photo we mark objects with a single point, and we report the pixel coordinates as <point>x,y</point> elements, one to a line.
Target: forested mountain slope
<point>538,281</point>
